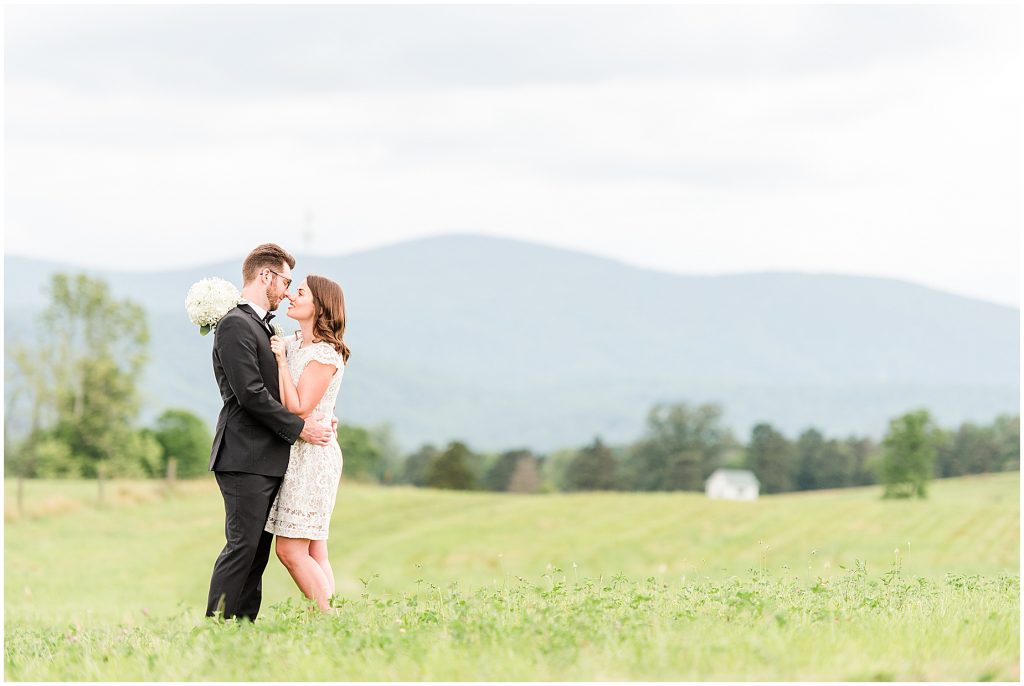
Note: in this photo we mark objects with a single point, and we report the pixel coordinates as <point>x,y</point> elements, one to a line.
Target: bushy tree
<point>909,454</point>
<point>498,476</point>
<point>975,449</point>
<point>414,469</point>
<point>810,452</point>
<point>184,437</point>
<point>554,470</point>
<point>829,462</point>
<point>362,458</point>
<point>142,457</point>
<point>772,459</point>
<point>1007,438</point>
<point>949,458</point>
<point>861,452</point>
<point>389,465</point>
<point>836,466</point>
<point>683,445</point>
<point>52,459</point>
<point>592,469</point>
<point>83,377</point>
<point>451,469</point>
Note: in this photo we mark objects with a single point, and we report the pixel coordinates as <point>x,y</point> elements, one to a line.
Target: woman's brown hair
<point>329,313</point>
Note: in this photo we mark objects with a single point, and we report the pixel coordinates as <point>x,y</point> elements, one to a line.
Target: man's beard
<point>273,300</point>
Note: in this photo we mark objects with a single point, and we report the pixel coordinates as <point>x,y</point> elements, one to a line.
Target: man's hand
<point>334,426</point>
<point>316,433</point>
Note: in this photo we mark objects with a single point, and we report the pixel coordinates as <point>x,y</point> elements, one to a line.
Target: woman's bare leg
<point>318,551</point>
<point>308,575</point>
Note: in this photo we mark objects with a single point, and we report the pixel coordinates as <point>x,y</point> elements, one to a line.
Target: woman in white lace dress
<point>310,369</point>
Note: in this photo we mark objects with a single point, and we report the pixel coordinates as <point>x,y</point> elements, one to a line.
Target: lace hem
<point>295,532</point>
<point>310,528</point>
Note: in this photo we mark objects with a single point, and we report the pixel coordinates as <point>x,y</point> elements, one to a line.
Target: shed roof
<point>736,477</point>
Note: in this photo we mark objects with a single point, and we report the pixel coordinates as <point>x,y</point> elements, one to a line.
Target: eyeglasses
<point>287,282</point>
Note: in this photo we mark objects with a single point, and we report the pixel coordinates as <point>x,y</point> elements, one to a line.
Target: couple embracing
<point>275,453</point>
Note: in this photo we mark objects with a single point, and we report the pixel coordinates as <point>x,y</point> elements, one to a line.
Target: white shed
<point>732,484</point>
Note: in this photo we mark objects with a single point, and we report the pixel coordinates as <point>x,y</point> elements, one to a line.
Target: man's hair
<point>267,255</point>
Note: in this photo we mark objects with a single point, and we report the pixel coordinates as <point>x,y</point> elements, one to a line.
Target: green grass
<point>554,587</point>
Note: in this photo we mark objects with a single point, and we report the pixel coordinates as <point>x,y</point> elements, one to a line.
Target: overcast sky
<point>855,139</point>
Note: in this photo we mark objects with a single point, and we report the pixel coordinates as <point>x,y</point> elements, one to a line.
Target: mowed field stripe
<point>161,551</point>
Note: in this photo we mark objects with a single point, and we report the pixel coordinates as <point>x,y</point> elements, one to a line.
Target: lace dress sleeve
<point>325,353</point>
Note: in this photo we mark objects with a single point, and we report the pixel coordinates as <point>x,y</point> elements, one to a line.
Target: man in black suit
<point>254,432</point>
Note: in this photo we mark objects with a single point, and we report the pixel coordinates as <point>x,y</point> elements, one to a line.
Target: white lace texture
<point>303,506</point>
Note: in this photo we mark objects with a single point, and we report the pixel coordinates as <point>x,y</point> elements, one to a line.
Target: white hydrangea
<point>208,300</point>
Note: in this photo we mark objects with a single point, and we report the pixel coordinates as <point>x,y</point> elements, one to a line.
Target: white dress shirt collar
<point>256,308</point>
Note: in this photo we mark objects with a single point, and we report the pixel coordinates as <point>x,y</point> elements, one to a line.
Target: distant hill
<point>504,343</point>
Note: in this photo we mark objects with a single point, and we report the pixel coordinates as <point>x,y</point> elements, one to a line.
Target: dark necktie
<point>267,318</point>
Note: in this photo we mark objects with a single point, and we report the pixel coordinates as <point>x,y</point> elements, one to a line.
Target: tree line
<point>77,388</point>
<point>684,444</point>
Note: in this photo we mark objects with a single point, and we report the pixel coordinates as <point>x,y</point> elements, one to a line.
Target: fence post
<point>172,472</point>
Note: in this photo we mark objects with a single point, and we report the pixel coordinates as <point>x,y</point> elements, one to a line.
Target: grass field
<point>492,586</point>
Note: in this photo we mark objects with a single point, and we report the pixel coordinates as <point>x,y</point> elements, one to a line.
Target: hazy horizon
<point>300,254</point>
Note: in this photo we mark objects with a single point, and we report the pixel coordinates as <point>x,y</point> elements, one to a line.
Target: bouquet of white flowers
<point>208,300</point>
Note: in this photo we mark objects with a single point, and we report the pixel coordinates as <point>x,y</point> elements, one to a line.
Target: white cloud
<point>848,151</point>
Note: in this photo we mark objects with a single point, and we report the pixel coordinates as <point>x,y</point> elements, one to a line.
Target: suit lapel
<point>267,366</point>
<point>252,313</point>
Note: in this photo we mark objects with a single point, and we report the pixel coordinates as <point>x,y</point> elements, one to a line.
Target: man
<point>254,432</point>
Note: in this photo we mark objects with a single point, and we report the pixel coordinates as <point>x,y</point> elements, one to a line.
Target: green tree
<point>947,457</point>
<point>53,460</point>
<point>810,453</point>
<point>975,449</point>
<point>836,467</point>
<point>861,452</point>
<point>772,459</point>
<point>1007,438</point>
<point>186,438</point>
<point>141,457</point>
<point>978,448</point>
<point>83,375</point>
<point>554,470</point>
<point>908,455</point>
<point>451,469</point>
<point>414,469</point>
<point>362,458</point>
<point>30,400</point>
<point>389,466</point>
<point>498,476</point>
<point>825,463</point>
<point>592,469</point>
<point>683,445</point>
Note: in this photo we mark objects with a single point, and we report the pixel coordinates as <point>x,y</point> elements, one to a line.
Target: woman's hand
<point>277,345</point>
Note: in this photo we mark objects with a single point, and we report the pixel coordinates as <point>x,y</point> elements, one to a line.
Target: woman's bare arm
<point>312,385</point>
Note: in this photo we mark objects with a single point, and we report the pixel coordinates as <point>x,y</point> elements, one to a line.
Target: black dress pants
<point>236,587</point>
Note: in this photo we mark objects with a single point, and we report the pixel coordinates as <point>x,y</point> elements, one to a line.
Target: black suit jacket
<point>254,430</point>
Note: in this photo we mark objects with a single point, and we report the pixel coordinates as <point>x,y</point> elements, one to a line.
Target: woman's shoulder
<point>322,351</point>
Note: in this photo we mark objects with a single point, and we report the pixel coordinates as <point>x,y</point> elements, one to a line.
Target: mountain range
<point>503,343</point>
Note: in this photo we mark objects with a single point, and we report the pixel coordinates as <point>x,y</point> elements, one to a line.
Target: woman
<point>311,367</point>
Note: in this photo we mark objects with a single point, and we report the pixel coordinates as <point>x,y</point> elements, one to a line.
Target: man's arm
<point>238,356</point>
